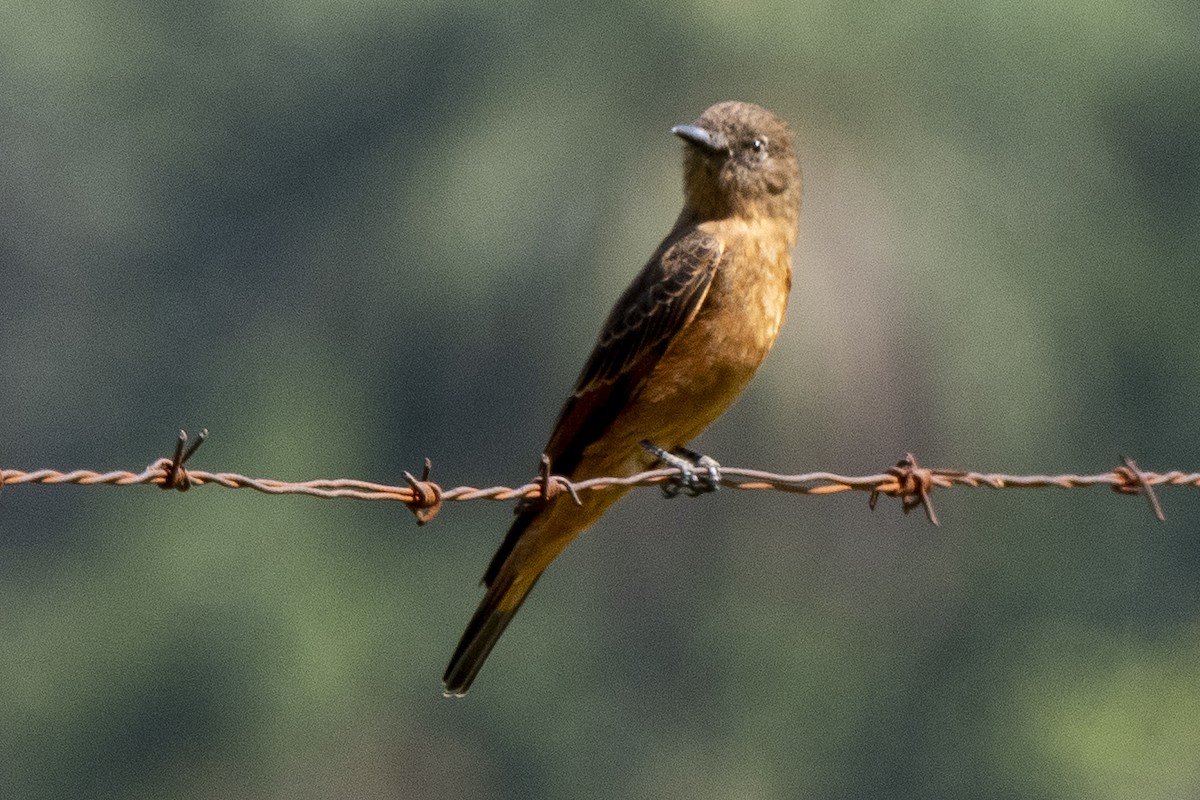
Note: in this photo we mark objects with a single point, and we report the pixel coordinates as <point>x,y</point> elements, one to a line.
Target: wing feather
<point>657,305</point>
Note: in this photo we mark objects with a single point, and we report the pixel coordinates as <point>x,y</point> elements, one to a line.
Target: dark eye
<point>758,145</point>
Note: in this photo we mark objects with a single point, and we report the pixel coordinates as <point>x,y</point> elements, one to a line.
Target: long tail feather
<point>501,602</point>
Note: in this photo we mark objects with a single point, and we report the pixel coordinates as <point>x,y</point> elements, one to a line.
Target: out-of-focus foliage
<point>347,235</point>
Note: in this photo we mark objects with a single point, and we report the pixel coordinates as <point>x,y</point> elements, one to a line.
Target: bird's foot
<point>698,474</point>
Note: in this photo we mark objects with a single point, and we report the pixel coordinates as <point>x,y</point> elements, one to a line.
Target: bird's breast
<point>713,358</point>
<point>744,310</point>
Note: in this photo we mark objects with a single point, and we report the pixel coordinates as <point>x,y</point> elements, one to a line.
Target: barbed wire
<point>907,480</point>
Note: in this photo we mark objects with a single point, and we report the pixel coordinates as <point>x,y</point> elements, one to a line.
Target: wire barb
<point>913,486</point>
<point>550,485</point>
<point>426,499</point>
<point>175,476</point>
<point>1136,482</point>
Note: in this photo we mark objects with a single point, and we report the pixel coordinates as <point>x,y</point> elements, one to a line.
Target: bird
<point>678,347</point>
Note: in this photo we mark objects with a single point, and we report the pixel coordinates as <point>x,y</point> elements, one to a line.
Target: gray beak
<point>701,137</point>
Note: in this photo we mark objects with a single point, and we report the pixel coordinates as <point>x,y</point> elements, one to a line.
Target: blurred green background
<point>348,235</point>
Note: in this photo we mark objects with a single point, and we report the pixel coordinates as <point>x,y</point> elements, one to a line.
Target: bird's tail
<point>497,609</point>
<point>512,574</point>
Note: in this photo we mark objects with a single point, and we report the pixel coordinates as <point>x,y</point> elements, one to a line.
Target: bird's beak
<point>702,138</point>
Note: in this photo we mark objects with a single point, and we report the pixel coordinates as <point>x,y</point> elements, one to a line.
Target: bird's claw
<point>698,474</point>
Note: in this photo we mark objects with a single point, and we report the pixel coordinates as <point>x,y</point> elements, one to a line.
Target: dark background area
<point>344,236</point>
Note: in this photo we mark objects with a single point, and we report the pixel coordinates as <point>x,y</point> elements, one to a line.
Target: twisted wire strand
<point>907,480</point>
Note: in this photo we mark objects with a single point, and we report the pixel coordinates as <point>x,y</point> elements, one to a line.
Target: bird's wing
<point>659,303</point>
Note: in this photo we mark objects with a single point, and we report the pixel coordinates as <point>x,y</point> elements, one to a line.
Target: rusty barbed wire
<point>907,480</point>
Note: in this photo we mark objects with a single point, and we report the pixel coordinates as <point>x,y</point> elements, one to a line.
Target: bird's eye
<point>758,145</point>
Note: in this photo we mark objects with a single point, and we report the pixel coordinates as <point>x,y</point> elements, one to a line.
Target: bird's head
<point>739,160</point>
